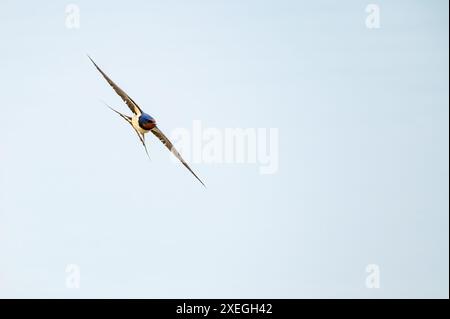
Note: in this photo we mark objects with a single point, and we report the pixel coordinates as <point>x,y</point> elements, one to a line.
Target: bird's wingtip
<point>89,57</point>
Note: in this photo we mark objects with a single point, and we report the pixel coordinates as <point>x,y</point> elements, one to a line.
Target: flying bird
<point>141,122</point>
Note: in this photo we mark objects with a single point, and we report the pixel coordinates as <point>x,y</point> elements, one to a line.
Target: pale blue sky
<point>363,174</point>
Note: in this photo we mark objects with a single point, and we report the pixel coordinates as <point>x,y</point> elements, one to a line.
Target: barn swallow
<point>141,122</point>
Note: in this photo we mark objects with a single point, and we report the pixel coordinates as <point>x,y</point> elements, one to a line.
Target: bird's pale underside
<point>141,122</point>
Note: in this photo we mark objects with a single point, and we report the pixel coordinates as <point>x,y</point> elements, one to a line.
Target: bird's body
<point>136,126</point>
<point>141,122</point>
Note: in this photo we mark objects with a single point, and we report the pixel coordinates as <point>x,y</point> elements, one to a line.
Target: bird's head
<point>146,121</point>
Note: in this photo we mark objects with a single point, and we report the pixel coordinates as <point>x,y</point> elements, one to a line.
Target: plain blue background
<point>363,176</point>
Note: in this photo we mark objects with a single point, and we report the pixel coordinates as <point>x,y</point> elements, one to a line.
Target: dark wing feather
<point>142,138</point>
<point>128,100</point>
<point>128,119</point>
<point>160,135</point>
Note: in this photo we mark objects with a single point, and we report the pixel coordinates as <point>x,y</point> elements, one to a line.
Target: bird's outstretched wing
<point>128,100</point>
<point>160,135</point>
<point>128,119</point>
